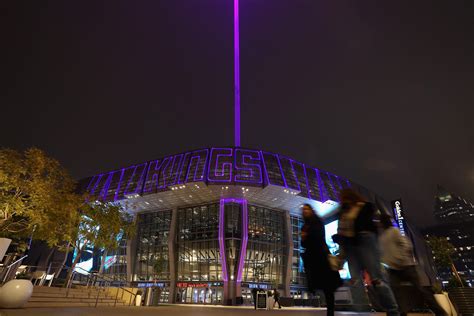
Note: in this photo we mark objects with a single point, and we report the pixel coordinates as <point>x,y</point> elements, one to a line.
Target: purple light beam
<point>236,75</point>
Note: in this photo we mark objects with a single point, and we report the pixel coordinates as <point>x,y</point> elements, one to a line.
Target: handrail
<point>7,272</point>
<point>103,279</point>
<point>94,280</point>
<point>8,267</point>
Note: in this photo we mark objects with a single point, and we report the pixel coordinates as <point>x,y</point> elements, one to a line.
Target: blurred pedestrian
<point>319,273</point>
<point>397,254</point>
<point>276,298</point>
<point>357,233</point>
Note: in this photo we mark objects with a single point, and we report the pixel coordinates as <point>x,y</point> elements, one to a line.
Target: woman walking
<point>317,267</point>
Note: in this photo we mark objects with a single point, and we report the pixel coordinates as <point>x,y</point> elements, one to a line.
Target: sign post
<point>262,299</point>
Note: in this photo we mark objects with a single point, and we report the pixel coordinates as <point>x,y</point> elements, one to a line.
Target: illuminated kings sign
<point>226,165</point>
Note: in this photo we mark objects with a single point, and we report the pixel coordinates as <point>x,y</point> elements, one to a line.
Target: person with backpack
<point>357,236</point>
<point>397,254</point>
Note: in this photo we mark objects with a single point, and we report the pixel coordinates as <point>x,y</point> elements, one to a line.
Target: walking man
<point>276,297</point>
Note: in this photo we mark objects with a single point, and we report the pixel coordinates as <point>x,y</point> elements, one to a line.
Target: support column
<point>222,252</point>
<point>289,261</point>
<point>232,287</point>
<point>172,255</point>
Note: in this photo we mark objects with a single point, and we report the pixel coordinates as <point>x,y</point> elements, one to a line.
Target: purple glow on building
<point>122,172</point>
<point>218,160</point>
<point>236,75</point>
<point>221,238</point>
<point>247,165</point>
<point>214,166</point>
<point>197,159</point>
<point>245,234</point>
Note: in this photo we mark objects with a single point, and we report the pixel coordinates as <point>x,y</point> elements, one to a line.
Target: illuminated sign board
<point>151,284</point>
<point>399,216</point>
<point>186,284</point>
<point>216,166</point>
<point>259,286</point>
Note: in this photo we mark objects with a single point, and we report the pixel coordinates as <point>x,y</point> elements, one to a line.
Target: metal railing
<point>95,283</point>
<point>14,264</point>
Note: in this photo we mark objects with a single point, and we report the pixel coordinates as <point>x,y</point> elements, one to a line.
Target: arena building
<point>214,223</point>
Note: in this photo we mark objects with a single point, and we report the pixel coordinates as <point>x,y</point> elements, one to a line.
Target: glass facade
<point>115,262</point>
<point>266,249</point>
<point>233,237</point>
<point>197,243</point>
<point>199,275</point>
<point>152,262</point>
<point>297,269</point>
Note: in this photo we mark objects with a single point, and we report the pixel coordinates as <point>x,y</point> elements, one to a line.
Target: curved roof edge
<point>217,166</point>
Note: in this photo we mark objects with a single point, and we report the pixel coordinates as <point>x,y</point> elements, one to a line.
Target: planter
<point>445,303</point>
<point>4,244</point>
<point>15,293</point>
<point>463,299</point>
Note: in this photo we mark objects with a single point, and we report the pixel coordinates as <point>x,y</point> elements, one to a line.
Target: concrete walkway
<point>173,310</point>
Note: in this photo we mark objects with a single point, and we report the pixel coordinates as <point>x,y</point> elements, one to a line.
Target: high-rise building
<point>461,236</point>
<point>452,208</point>
<point>455,217</point>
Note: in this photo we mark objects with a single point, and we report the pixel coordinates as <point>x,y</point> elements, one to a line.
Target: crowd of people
<point>366,239</point>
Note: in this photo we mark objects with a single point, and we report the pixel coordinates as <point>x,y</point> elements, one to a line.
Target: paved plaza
<point>159,310</point>
<point>173,310</point>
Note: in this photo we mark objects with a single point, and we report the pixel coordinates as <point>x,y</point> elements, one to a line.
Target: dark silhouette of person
<point>254,294</point>
<point>276,297</point>
<point>318,271</point>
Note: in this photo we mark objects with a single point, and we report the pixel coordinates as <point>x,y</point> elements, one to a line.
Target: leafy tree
<point>443,251</point>
<point>101,225</point>
<point>36,194</point>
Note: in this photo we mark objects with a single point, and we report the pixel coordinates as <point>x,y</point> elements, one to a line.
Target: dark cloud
<point>379,92</point>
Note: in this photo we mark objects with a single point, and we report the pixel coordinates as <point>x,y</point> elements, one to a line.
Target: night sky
<point>380,92</point>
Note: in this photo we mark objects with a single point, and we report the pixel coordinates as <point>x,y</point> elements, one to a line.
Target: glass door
<point>216,295</point>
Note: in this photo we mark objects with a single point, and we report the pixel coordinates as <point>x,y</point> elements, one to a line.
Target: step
<point>78,295</point>
<point>58,289</point>
<point>71,304</point>
<point>52,290</point>
<point>68,299</point>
